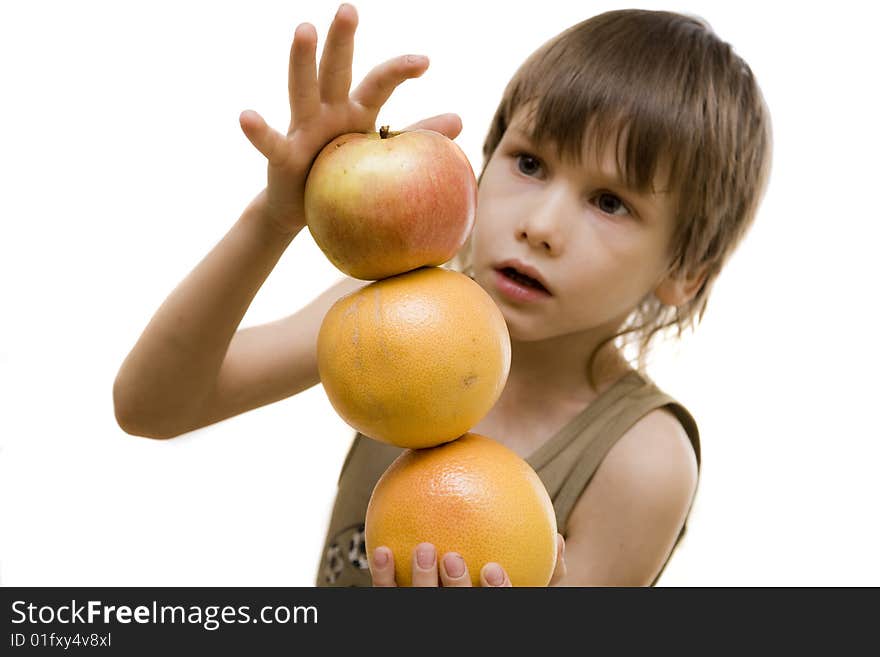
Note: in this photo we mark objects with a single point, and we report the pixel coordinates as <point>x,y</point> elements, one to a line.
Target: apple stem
<point>384,131</point>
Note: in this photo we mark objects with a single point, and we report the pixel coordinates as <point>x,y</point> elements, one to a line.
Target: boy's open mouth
<point>523,279</point>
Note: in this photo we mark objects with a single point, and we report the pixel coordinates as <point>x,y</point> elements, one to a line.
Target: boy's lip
<point>526,269</point>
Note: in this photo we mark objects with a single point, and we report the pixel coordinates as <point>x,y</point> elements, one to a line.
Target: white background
<point>122,164</point>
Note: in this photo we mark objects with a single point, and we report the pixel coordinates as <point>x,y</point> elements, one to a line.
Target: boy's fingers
<point>493,574</point>
<point>382,567</point>
<point>445,124</point>
<point>453,571</point>
<point>424,565</point>
<point>334,75</point>
<point>380,83</point>
<point>302,80</point>
<point>266,140</point>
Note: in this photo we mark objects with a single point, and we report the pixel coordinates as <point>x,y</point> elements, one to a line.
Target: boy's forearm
<point>174,364</point>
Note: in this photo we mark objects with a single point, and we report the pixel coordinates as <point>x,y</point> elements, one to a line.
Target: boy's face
<point>598,246</point>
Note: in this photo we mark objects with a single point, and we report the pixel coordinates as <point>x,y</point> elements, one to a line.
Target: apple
<point>383,203</point>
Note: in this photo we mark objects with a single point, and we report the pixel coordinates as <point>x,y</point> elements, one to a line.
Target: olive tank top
<point>565,463</point>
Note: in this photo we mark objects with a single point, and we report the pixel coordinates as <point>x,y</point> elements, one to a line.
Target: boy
<point>625,162</point>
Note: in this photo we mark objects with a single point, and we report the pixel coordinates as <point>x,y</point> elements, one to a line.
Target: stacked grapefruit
<point>420,355</point>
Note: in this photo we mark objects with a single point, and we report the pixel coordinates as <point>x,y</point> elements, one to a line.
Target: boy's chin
<point>521,331</point>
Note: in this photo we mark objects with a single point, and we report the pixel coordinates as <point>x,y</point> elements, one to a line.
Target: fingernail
<point>416,59</point>
<point>454,565</point>
<point>380,558</point>
<point>494,575</point>
<point>425,555</point>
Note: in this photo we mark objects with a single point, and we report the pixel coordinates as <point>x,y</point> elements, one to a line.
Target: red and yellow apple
<point>383,203</point>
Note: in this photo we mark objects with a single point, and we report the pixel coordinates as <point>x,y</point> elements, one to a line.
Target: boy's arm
<point>190,368</point>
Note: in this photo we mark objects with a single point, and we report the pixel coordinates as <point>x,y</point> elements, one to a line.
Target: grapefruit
<point>473,496</point>
<point>414,360</point>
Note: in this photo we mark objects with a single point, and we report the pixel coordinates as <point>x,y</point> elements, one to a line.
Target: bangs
<point>626,89</point>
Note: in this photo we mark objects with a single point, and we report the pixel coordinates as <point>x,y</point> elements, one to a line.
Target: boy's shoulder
<point>627,520</point>
<point>657,446</point>
<point>652,469</point>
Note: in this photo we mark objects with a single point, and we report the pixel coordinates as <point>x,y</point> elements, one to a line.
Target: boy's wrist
<point>274,226</point>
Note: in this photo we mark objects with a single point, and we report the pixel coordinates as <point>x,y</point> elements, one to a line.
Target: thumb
<point>561,569</point>
<point>445,124</point>
<point>265,139</point>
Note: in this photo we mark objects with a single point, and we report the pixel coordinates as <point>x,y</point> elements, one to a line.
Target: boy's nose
<point>538,241</point>
<point>542,228</point>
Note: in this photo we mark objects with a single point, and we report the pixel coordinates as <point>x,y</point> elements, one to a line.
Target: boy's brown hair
<point>669,92</point>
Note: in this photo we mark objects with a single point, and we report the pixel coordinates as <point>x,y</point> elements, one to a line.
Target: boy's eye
<point>527,164</point>
<point>610,204</point>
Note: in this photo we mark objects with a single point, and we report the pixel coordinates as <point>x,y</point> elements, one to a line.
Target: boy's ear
<point>677,289</point>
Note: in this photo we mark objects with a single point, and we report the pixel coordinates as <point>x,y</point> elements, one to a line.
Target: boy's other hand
<point>321,108</point>
<point>451,570</point>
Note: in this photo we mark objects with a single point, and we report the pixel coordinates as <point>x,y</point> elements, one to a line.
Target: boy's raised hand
<point>321,109</point>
